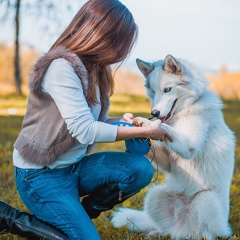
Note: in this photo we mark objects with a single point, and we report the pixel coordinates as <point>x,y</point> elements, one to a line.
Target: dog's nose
<point>155,113</point>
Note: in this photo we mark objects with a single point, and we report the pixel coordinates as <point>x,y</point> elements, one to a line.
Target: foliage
<point>10,126</point>
<point>226,84</point>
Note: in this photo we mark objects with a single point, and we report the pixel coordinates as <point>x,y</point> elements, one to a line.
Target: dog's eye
<point>168,89</point>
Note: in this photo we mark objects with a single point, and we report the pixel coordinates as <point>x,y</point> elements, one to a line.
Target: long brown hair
<point>102,33</point>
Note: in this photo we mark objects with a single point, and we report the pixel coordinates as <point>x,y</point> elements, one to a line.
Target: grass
<point>10,126</point>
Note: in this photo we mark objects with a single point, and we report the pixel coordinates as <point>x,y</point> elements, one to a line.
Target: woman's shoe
<point>26,225</point>
<point>103,199</point>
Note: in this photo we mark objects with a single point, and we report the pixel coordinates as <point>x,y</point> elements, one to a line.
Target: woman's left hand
<point>127,117</point>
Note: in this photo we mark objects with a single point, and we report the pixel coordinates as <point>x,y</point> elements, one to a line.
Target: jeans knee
<point>142,172</point>
<point>146,171</point>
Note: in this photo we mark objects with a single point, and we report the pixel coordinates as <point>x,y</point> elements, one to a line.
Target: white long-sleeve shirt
<point>62,83</point>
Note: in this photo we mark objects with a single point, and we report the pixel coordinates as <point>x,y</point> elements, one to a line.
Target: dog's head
<point>171,84</point>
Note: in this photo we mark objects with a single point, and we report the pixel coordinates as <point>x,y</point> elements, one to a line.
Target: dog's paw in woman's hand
<point>141,122</point>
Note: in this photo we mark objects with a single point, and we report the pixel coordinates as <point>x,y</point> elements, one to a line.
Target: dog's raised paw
<point>141,122</point>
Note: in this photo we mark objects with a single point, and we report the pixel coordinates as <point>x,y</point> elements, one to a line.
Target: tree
<point>38,8</point>
<point>17,72</point>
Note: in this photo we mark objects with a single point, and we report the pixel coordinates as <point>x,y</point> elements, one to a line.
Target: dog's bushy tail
<point>134,220</point>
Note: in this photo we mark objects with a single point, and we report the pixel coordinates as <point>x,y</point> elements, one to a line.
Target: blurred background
<point>207,33</point>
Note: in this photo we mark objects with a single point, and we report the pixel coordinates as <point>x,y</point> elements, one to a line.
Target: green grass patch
<point>13,101</point>
<point>10,126</point>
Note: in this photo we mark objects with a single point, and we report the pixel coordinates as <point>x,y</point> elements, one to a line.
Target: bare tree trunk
<point>18,80</point>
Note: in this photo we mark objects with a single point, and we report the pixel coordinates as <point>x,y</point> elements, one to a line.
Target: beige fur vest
<point>44,135</point>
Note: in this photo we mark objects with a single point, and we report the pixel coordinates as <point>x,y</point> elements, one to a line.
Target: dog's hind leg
<point>211,220</point>
<point>134,220</point>
<point>154,219</point>
<point>159,205</point>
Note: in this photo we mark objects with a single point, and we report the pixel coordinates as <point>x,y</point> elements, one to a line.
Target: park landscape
<point>126,99</point>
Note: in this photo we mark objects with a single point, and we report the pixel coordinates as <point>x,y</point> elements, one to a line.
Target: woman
<point>66,114</point>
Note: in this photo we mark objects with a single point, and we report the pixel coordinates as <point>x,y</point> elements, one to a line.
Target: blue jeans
<point>53,195</point>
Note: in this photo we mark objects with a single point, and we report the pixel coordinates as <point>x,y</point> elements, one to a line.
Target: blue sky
<point>206,32</point>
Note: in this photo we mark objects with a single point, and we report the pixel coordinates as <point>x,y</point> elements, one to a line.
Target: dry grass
<point>127,82</point>
<point>27,59</point>
<point>225,84</point>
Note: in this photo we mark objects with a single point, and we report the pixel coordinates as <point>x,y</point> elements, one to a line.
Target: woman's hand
<point>159,132</point>
<point>127,117</point>
<point>141,122</point>
<point>156,130</point>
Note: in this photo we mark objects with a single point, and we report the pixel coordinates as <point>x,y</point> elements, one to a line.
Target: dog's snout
<point>155,113</point>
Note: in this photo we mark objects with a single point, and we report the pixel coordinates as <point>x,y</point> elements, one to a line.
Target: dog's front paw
<point>141,122</point>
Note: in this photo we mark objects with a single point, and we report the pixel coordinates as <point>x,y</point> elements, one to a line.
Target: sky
<point>205,32</point>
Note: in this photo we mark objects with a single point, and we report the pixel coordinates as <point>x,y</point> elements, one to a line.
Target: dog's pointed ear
<point>144,67</point>
<point>171,65</point>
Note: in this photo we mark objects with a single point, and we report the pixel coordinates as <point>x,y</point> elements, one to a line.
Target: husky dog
<point>193,202</point>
